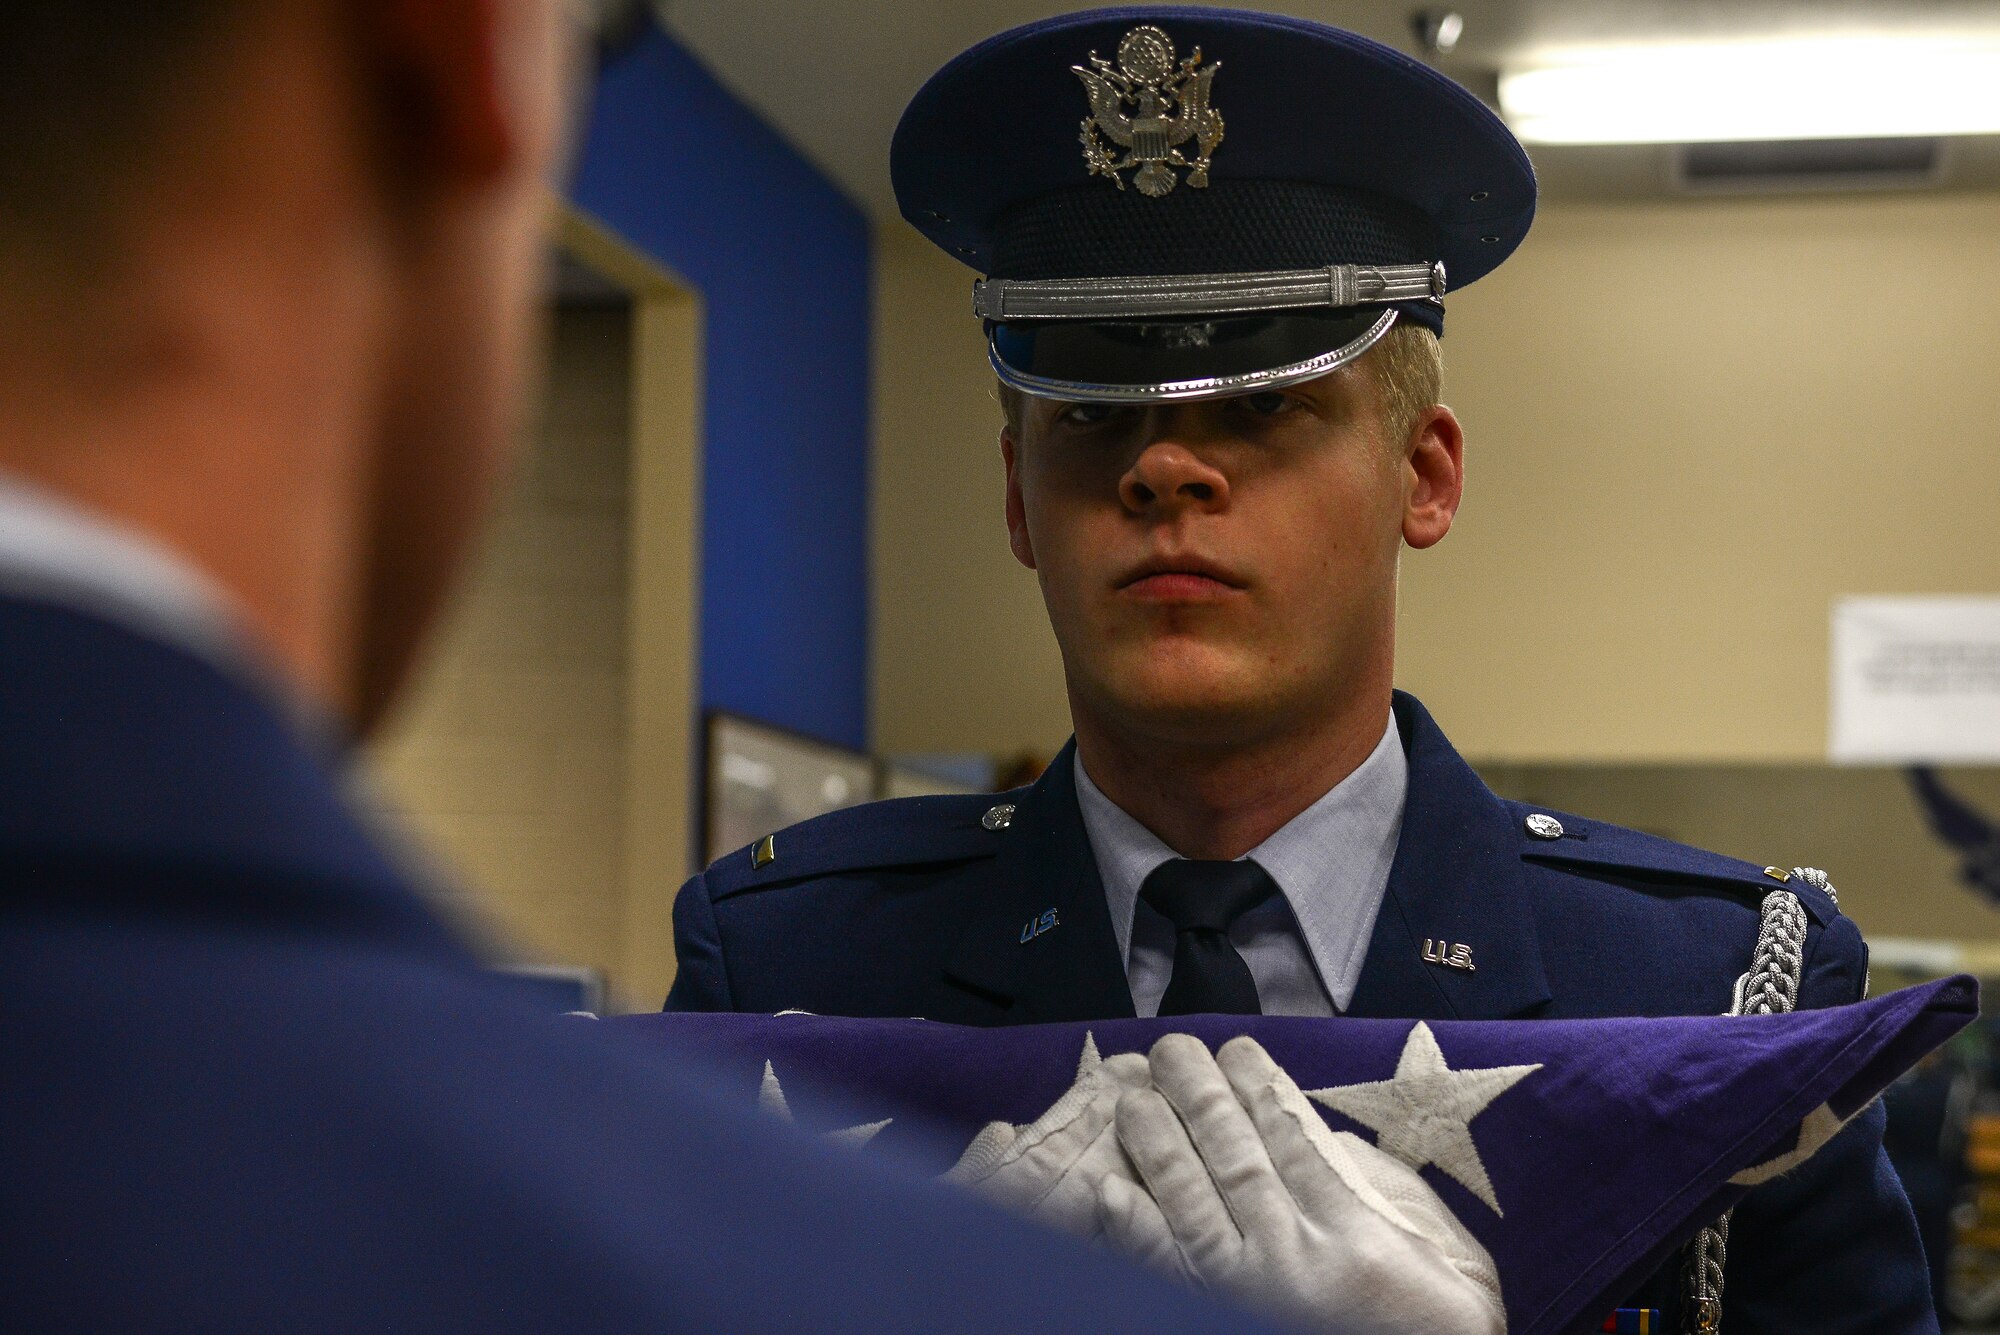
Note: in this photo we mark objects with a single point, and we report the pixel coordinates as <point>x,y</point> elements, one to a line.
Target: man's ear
<point>1433,477</point>
<point>1017,512</point>
<point>440,69</point>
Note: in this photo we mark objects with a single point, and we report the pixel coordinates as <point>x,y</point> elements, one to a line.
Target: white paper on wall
<point>1916,680</point>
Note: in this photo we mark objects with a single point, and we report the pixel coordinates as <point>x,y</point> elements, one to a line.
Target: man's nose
<point>1168,477</point>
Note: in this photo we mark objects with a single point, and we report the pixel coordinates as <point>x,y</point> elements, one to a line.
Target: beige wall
<point>1692,425</point>
<point>545,756</point>
<point>962,657</point>
<point>510,755</point>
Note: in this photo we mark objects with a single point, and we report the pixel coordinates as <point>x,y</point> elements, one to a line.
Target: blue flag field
<point>1579,1153</point>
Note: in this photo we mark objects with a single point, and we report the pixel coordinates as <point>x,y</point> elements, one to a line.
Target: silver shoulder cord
<point>1771,987</point>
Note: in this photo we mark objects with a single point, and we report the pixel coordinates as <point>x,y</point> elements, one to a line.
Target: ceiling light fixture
<point>1818,88</point>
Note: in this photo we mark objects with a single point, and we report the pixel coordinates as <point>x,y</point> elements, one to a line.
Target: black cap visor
<point>1153,361</point>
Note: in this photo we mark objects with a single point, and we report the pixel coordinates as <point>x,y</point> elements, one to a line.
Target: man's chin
<point>1213,706</point>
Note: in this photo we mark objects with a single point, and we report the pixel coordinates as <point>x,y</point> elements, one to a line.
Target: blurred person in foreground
<point>1216,248</point>
<point>267,297</point>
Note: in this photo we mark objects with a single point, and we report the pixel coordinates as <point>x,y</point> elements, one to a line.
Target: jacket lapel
<point>1457,881</point>
<point>1040,943</point>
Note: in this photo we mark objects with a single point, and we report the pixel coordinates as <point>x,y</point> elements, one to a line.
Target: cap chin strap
<point>1198,295</point>
<point>1177,391</point>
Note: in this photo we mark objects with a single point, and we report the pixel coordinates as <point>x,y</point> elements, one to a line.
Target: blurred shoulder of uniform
<point>1632,861</point>
<point>902,832</point>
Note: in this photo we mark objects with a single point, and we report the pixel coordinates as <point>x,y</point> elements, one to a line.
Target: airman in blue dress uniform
<point>1214,248</point>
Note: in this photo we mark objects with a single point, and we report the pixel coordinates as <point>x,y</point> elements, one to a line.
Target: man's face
<point>1218,571</point>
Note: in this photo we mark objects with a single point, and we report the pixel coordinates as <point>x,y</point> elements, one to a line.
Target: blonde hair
<point>1407,364</point>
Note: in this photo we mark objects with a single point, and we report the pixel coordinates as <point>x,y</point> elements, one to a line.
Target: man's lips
<point>1178,587</point>
<point>1182,580</point>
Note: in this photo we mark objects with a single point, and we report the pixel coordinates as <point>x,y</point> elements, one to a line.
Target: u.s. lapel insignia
<point>1047,922</point>
<point>1451,954</point>
<point>1149,104</point>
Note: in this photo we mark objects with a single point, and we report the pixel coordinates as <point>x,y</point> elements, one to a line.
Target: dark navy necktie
<point>1201,899</point>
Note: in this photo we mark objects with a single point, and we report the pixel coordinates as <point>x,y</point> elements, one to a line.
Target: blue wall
<point>686,173</point>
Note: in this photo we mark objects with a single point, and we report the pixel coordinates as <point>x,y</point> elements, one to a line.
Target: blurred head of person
<point>268,281</point>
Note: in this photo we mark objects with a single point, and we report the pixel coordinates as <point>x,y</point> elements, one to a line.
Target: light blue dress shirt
<point>1331,862</point>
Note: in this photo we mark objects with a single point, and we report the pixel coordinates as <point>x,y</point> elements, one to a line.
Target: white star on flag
<point>1424,1115</point>
<point>771,1098</point>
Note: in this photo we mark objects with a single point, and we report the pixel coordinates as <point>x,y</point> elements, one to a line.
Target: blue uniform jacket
<point>252,1084</point>
<point>917,907</point>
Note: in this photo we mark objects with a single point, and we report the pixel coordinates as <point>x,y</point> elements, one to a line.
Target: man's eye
<point>1267,404</point>
<point>1087,414</point>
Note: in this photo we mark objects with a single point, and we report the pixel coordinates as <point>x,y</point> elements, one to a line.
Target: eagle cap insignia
<point>1149,104</point>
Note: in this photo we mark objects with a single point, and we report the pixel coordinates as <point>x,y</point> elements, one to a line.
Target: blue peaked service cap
<point>1184,202</point>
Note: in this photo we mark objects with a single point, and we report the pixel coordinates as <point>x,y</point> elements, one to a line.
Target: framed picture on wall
<point>758,778</point>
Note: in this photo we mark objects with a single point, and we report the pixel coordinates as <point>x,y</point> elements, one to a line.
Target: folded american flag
<point>1579,1153</point>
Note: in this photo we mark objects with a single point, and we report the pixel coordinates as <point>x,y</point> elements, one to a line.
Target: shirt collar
<point>54,551</point>
<point>1331,861</point>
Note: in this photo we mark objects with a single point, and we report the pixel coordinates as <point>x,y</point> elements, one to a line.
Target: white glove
<point>1051,1168</point>
<point>1251,1193</point>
